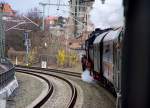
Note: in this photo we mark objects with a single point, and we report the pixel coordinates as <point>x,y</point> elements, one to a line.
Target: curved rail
<point>50,89</point>
<point>73,88</point>
<point>69,73</point>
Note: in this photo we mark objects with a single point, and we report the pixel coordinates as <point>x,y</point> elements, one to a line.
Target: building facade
<point>79,16</point>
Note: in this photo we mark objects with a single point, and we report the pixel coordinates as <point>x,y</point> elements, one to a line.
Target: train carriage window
<point>108,52</point>
<point>107,49</point>
<point>119,60</point>
<point>96,58</point>
<point>91,53</point>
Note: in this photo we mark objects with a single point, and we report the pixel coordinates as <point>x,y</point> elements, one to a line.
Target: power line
<point>23,22</point>
<point>57,4</point>
<point>75,18</point>
<point>31,21</point>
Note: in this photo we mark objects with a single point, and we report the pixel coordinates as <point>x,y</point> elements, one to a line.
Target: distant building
<point>80,24</point>
<point>51,20</point>
<point>79,16</point>
<point>56,25</point>
<point>6,8</point>
<point>55,22</point>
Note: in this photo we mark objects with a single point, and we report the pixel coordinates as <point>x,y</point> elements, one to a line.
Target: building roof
<point>6,8</point>
<point>75,46</point>
<point>51,18</point>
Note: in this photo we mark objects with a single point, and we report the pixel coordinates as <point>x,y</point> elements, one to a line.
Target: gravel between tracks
<point>89,95</point>
<point>94,96</point>
<point>29,89</point>
<point>61,95</point>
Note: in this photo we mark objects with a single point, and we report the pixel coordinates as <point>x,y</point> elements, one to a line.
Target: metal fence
<point>8,75</point>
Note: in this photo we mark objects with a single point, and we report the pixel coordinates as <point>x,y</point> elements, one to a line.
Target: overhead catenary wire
<point>60,4</point>
<point>75,18</point>
<point>31,21</point>
<point>64,5</point>
<point>23,22</point>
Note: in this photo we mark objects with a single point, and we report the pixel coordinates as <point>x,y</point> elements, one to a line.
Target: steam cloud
<point>86,76</point>
<point>109,14</point>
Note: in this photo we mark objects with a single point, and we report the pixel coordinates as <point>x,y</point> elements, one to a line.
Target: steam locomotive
<point>103,56</point>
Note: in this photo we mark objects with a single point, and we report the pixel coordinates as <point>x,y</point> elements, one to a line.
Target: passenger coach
<point>103,51</point>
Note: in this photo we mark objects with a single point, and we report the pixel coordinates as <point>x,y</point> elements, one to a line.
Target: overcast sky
<point>25,5</point>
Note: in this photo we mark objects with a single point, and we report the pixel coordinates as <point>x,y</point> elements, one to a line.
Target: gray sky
<point>25,5</point>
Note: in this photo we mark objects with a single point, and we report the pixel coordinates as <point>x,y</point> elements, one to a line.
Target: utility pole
<point>2,36</point>
<point>59,4</point>
<point>27,40</point>
<point>43,19</point>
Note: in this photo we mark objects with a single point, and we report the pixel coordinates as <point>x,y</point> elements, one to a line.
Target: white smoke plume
<point>109,14</point>
<point>87,77</point>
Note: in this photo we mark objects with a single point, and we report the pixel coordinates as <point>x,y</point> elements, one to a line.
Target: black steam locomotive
<point>103,56</point>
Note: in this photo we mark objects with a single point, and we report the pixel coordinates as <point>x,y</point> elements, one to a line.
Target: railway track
<point>69,73</point>
<point>50,89</point>
<point>63,72</point>
<point>39,73</point>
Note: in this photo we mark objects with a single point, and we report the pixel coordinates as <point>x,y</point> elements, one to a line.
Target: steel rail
<point>73,88</point>
<point>73,74</point>
<point>69,73</point>
<point>50,89</point>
